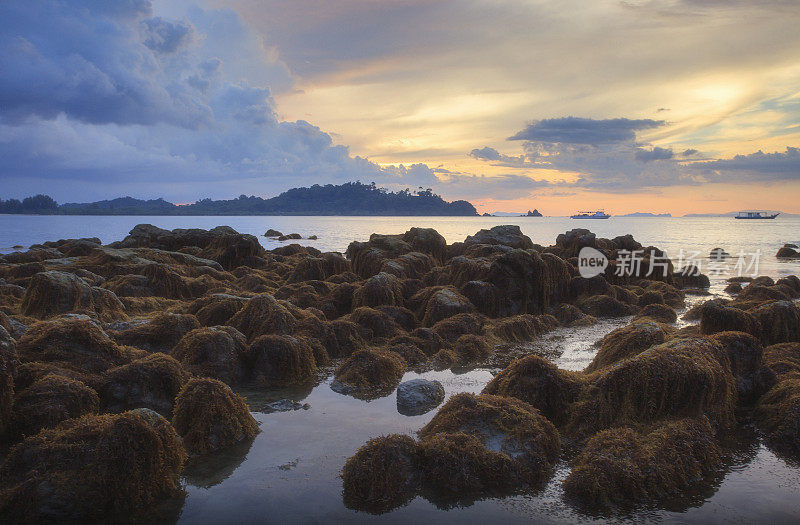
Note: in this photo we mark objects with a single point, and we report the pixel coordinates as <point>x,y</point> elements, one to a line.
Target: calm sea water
<point>335,233</point>
<point>290,472</point>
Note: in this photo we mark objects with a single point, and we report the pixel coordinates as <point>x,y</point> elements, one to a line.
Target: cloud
<point>755,166</point>
<point>576,130</point>
<point>106,97</point>
<point>689,152</point>
<point>648,155</point>
<point>164,36</point>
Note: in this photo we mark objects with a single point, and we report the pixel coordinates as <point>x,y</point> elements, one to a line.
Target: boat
<point>756,215</point>
<point>590,215</point>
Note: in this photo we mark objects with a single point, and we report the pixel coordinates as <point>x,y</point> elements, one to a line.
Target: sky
<point>679,106</point>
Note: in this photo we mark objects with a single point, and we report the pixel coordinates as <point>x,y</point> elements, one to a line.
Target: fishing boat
<point>590,215</point>
<point>756,215</point>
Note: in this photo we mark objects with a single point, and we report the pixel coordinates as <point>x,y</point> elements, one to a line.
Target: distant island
<point>351,198</point>
<point>534,213</point>
<point>645,214</point>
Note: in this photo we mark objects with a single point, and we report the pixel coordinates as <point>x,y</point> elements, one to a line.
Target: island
<point>534,213</point>
<point>351,198</point>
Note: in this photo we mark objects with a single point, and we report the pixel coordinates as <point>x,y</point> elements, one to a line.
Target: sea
<point>290,473</point>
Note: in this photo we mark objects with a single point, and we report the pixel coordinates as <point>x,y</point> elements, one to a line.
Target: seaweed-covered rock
<point>620,467</point>
<point>443,304</point>
<point>263,315</point>
<point>9,364</point>
<point>369,373</point>
<point>483,296</point>
<point>277,360</point>
<point>210,416</point>
<point>745,355</point>
<point>604,306</point>
<point>382,475</point>
<point>217,352</point>
<point>783,359</point>
<point>216,309</point>
<point>505,235</point>
<point>375,323</point>
<point>716,317</point>
<point>541,384</point>
<point>160,334</point>
<point>779,321</point>
<point>418,396</point>
<point>470,348</point>
<point>49,401</point>
<point>75,344</point>
<point>150,382</point>
<point>379,289</point>
<point>683,377</point>
<point>454,327</point>
<point>502,424</point>
<point>571,316</point>
<point>628,341</point>
<point>96,467</point>
<point>778,416</point>
<point>658,312</point>
<point>458,466</point>
<point>52,293</point>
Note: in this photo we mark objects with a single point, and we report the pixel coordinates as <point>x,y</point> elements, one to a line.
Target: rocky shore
<point>120,362</point>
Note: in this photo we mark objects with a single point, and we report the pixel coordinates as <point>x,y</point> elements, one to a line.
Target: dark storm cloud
<point>689,152</point>
<point>90,61</point>
<point>577,130</point>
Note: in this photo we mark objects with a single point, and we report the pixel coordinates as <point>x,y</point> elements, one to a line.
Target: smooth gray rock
<point>418,396</point>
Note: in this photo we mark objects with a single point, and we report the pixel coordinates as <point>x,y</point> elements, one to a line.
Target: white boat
<point>590,215</point>
<point>755,215</point>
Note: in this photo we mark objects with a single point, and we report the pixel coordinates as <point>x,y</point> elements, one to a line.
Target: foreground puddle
<point>290,471</point>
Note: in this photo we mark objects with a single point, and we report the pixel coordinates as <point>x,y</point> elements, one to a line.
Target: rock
<point>444,303</point>
<point>382,475</point>
<point>683,377</point>
<point>733,288</point>
<point>505,235</point>
<point>502,425</point>
<point>216,309</point>
<point>427,241</point>
<point>273,233</point>
<point>151,382</point>
<point>263,314</point>
<point>74,344</point>
<point>375,323</point>
<point>780,322</point>
<point>787,252</point>
<point>745,355</point>
<point>319,268</point>
<point>284,405</point>
<point>718,254</point>
<point>369,373</point>
<point>9,361</point>
<point>658,312</point>
<point>217,352</point>
<point>778,416</point>
<point>52,293</point>
<point>541,384</point>
<point>471,348</point>
<point>279,360</point>
<point>49,401</point>
<point>312,237</point>
<point>604,306</point>
<point>95,468</point>
<point>570,315</point>
<point>716,317</point>
<point>574,240</point>
<point>418,396</point>
<point>617,466</point>
<point>581,286</point>
<point>210,417</point>
<point>381,289</point>
<point>161,334</point>
<point>628,341</point>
